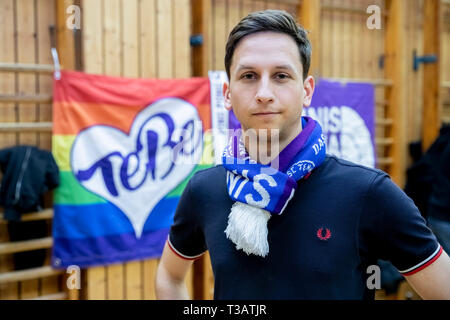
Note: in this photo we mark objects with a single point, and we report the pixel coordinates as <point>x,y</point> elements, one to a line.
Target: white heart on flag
<point>135,171</point>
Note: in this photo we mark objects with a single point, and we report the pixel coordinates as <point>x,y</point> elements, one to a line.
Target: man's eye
<point>248,76</point>
<point>282,76</point>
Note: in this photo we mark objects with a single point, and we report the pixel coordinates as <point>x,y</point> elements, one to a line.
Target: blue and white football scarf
<point>264,190</point>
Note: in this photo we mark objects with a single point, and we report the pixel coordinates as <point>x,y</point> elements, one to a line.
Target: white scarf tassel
<point>247,228</point>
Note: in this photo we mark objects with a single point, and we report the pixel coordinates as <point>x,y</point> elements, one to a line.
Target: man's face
<point>266,89</point>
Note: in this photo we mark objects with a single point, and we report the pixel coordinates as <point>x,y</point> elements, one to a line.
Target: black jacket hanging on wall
<point>428,178</point>
<point>28,173</point>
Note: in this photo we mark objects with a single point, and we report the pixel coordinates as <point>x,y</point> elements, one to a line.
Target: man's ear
<point>226,96</point>
<point>308,86</point>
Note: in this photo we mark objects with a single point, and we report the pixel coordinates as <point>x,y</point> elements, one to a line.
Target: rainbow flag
<point>125,149</point>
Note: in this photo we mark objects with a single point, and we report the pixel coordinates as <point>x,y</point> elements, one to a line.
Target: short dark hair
<point>269,20</point>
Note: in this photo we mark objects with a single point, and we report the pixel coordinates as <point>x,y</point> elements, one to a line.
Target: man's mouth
<point>265,113</point>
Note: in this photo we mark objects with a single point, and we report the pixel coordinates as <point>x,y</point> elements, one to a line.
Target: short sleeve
<point>394,230</point>
<point>186,238</point>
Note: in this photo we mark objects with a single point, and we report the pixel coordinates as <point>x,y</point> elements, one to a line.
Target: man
<point>310,227</point>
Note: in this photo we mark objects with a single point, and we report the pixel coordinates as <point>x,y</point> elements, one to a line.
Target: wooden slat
<point>147,53</point>
<point>357,27</point>
<point>201,24</point>
<point>133,280</point>
<point>220,34</point>
<point>259,5</point>
<point>350,9</point>
<point>29,274</point>
<point>384,141</point>
<point>130,57</point>
<point>32,216</point>
<point>325,40</point>
<point>247,7</point>
<point>182,32</point>
<point>40,98</point>
<point>27,43</point>
<point>395,70</point>
<point>46,17</point>
<point>233,15</point>
<point>96,283</point>
<point>93,47</point>
<point>288,2</point>
<point>26,127</point>
<point>165,38</point>
<point>26,48</point>
<point>93,54</point>
<point>148,277</point>
<point>113,66</point>
<point>130,65</point>
<point>115,281</point>
<point>65,42</point>
<point>384,161</point>
<point>27,245</point>
<point>310,19</point>
<point>431,73</point>
<point>7,113</point>
<point>383,122</point>
<point>26,67</point>
<point>53,296</point>
<point>112,37</point>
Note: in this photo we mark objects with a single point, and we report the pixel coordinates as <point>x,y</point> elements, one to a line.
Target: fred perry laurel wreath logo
<point>323,234</point>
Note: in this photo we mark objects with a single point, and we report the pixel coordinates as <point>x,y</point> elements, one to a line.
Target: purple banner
<point>346,114</point>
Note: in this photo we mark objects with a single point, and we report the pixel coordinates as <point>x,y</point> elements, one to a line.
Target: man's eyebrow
<point>248,67</point>
<point>244,67</point>
<point>284,67</point>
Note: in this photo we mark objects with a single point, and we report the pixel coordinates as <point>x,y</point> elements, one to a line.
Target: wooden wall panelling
<point>26,53</point>
<point>45,18</point>
<point>25,35</point>
<point>395,70</point>
<point>309,18</point>
<point>147,38</point>
<point>346,55</point>
<point>234,15</point>
<point>27,112</point>
<point>220,33</point>
<point>92,31</point>
<point>7,114</point>
<point>181,37</point>
<point>247,7</point>
<point>133,281</point>
<point>164,36</point>
<point>93,54</point>
<point>431,73</point>
<point>112,10</point>
<point>259,5</point>
<point>325,40</point>
<point>445,62</point>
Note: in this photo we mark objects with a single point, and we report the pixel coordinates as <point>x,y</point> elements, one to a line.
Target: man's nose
<point>265,92</point>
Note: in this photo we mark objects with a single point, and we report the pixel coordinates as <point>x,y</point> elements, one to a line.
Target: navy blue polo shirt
<point>342,219</point>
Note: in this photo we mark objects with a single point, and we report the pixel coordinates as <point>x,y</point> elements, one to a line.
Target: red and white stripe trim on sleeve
<point>183,256</point>
<point>425,263</point>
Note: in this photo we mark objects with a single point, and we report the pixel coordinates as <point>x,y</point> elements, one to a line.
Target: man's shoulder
<point>344,170</point>
<point>349,165</point>
<point>209,176</point>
